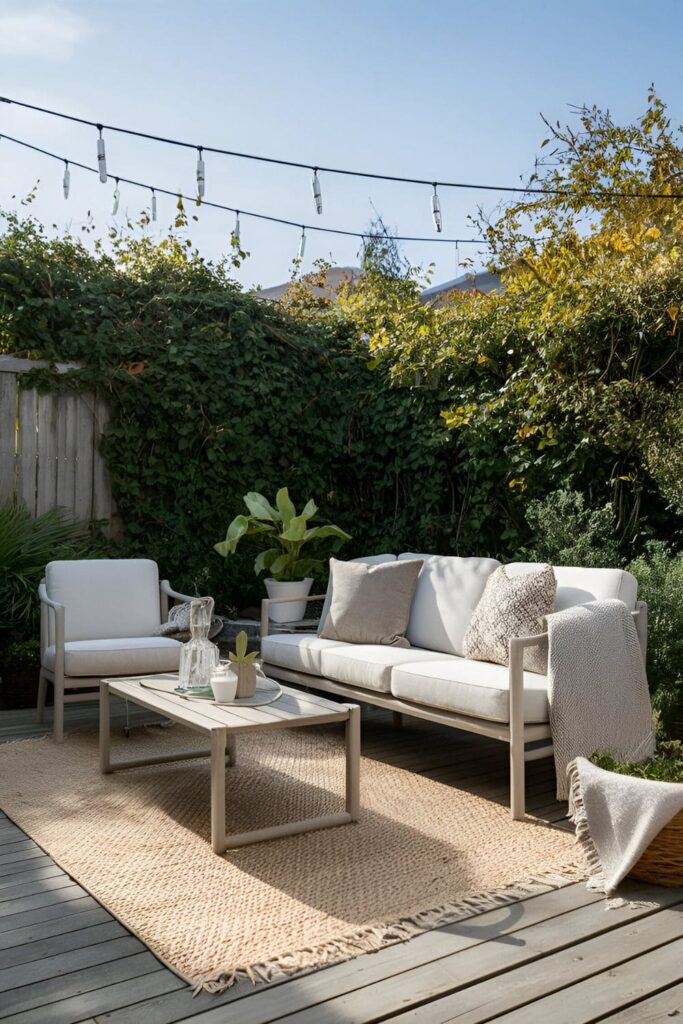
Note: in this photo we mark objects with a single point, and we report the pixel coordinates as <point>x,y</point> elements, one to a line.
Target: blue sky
<point>444,90</point>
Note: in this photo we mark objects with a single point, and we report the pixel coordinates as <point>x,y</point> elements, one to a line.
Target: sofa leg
<point>397,717</point>
<point>58,722</point>
<point>517,782</point>
<point>42,696</point>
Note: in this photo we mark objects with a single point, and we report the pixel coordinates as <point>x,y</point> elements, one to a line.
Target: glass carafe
<point>198,657</point>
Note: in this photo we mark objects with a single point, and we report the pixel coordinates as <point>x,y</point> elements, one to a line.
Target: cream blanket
<point>597,687</point>
<point>616,818</point>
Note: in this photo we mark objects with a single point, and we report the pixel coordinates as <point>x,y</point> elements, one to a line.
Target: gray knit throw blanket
<point>597,687</point>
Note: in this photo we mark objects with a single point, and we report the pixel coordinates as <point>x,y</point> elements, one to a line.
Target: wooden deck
<point>560,957</point>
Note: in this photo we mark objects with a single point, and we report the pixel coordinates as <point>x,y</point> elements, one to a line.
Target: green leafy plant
<point>566,530</point>
<point>239,655</point>
<point>285,532</point>
<point>659,572</point>
<point>27,544</point>
<point>665,766</point>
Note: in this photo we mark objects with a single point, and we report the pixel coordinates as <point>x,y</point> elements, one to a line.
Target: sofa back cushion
<point>105,598</point>
<point>367,560</point>
<point>576,585</point>
<point>448,590</point>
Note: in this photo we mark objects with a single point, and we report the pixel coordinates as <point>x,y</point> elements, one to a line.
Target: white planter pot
<point>292,611</point>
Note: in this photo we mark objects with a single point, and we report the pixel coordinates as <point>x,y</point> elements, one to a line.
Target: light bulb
<point>317,194</point>
<point>302,244</point>
<point>66,180</point>
<point>101,157</point>
<point>154,205</point>
<point>436,210</point>
<point>236,229</point>
<point>201,173</point>
<point>117,196</point>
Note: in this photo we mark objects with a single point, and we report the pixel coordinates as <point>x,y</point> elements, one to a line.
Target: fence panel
<point>49,448</point>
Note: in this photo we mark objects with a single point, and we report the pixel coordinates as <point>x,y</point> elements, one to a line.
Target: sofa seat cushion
<point>125,656</point>
<point>299,652</point>
<point>475,688</point>
<point>370,666</point>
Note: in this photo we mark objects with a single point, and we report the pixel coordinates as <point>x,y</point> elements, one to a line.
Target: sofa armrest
<point>49,607</point>
<point>167,591</point>
<point>267,601</point>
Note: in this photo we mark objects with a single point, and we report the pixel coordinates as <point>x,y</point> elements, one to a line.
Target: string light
<point>117,196</point>
<point>302,244</point>
<point>436,211</point>
<point>201,173</point>
<point>342,232</point>
<point>154,205</point>
<point>66,180</point>
<point>317,193</point>
<point>101,157</point>
<point>236,229</point>
<point>568,193</point>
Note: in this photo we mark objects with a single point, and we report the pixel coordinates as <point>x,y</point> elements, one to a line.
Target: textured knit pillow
<point>371,603</point>
<point>511,606</point>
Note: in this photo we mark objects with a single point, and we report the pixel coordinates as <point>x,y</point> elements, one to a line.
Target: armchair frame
<point>516,732</point>
<point>57,675</point>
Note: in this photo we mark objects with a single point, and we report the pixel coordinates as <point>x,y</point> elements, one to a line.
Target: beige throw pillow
<point>511,606</point>
<point>371,603</point>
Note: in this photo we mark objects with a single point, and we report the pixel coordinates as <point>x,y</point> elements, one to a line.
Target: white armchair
<point>99,618</point>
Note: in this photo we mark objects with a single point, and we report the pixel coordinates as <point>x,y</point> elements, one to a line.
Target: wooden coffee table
<point>223,724</point>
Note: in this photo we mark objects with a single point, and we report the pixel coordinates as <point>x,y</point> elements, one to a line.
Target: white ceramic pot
<point>292,611</point>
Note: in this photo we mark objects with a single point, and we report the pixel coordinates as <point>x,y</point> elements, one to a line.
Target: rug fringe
<point>372,938</point>
<point>577,815</point>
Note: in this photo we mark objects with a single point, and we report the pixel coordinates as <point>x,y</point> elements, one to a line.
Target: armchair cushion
<point>577,585</point>
<point>124,656</point>
<point>474,688</point>
<point>105,597</point>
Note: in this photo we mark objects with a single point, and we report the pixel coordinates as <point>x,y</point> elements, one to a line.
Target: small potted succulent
<point>242,664</point>
<point>283,534</point>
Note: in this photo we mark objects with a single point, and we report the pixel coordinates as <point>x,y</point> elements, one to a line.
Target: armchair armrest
<point>167,591</point>
<point>50,607</point>
<point>267,601</point>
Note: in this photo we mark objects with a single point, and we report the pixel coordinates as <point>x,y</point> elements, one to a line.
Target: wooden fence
<point>49,453</point>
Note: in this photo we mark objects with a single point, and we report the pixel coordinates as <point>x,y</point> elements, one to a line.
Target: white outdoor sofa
<point>432,679</point>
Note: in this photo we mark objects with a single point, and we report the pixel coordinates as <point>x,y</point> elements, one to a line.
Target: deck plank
<point>502,993</point>
<point>448,974</point>
<point>53,990</point>
<point>660,1009</point>
<point>38,949</point>
<point>615,989</point>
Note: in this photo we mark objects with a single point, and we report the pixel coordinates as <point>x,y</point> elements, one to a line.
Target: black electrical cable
<point>528,190</point>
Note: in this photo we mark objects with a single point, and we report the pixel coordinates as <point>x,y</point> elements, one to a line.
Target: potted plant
<point>242,664</point>
<point>283,534</point>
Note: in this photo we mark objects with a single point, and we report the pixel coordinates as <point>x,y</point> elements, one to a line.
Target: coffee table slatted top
<point>291,709</point>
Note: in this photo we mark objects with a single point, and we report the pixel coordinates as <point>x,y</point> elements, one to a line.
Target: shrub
<point>665,766</point>
<point>567,531</point>
<point>660,582</point>
<point>27,544</point>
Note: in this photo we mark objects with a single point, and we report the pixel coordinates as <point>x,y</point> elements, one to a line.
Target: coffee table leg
<point>218,744</point>
<point>353,762</point>
<point>105,737</point>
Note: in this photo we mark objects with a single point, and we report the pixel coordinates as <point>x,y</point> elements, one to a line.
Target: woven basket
<point>662,862</point>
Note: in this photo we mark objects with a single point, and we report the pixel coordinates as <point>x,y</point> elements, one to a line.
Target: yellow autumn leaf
<point>652,233</point>
<point>673,312</point>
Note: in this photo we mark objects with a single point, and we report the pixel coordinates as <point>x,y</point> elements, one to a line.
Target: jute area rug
<point>423,854</point>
